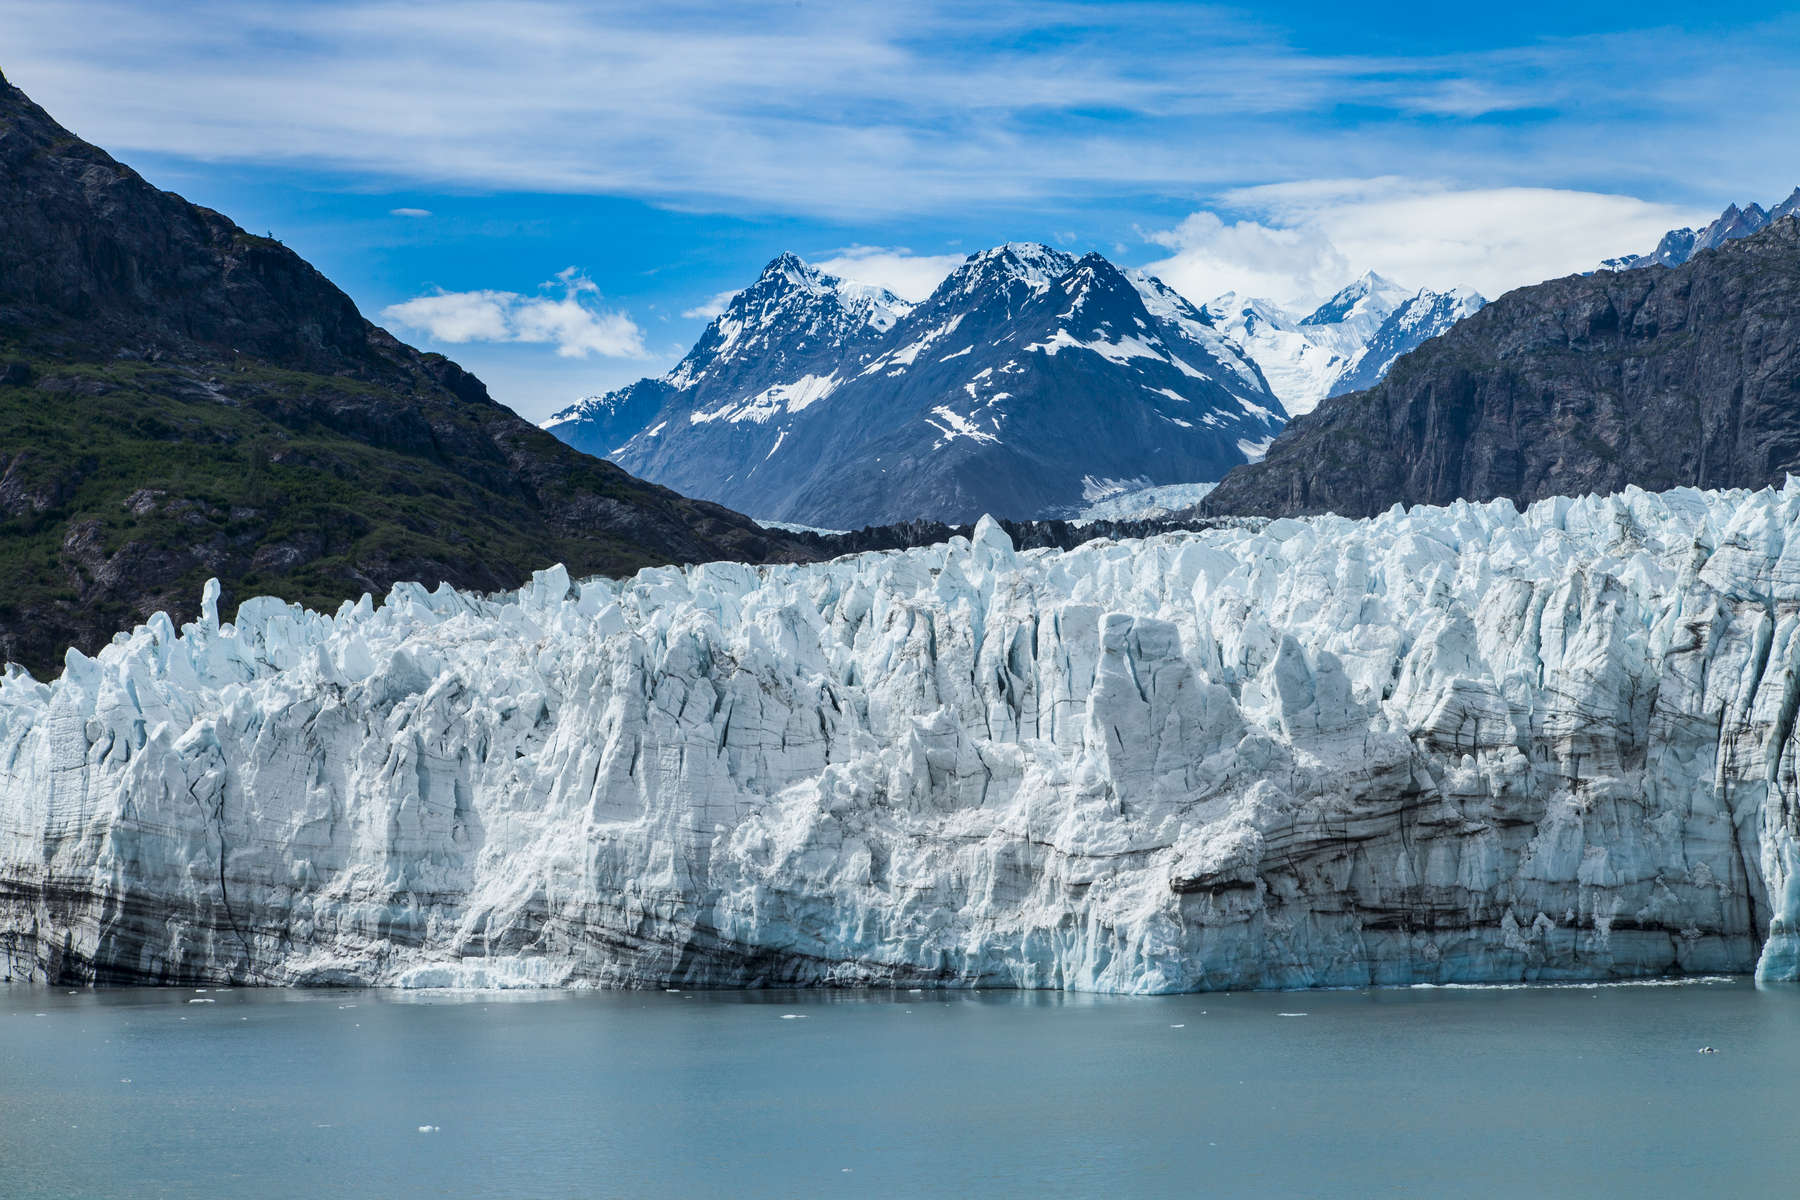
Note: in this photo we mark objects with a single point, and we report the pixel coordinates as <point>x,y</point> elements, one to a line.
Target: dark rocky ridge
<point>181,399</point>
<point>1679,245</point>
<point>1660,378</point>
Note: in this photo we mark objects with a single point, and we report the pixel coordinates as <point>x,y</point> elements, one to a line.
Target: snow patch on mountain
<point>955,425</point>
<point>1142,503</point>
<point>772,401</point>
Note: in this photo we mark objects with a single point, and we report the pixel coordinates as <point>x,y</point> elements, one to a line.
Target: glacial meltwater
<point>1580,1091</point>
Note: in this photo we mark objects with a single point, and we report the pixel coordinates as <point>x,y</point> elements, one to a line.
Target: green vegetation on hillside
<point>106,468</point>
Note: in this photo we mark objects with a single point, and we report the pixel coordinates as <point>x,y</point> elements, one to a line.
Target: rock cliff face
<point>1659,378</point>
<point>1458,744</point>
<point>181,399</point>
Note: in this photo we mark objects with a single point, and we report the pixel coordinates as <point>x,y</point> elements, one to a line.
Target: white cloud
<point>1299,242</point>
<point>569,321</point>
<point>855,109</point>
<point>710,308</point>
<point>909,276</point>
<point>1292,267</point>
<point>415,213</point>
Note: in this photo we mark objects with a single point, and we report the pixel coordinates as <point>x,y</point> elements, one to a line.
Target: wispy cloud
<point>1297,243</point>
<point>415,213</point>
<point>909,276</point>
<point>856,109</point>
<point>707,309</point>
<point>564,314</point>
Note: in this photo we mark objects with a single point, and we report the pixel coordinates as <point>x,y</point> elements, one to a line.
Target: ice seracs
<point>1459,744</point>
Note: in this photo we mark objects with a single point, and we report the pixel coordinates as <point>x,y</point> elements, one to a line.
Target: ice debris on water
<point>1210,759</point>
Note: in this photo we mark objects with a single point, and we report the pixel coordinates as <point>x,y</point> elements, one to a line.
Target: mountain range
<point>1344,345</point>
<point>1028,383</point>
<point>1688,376</point>
<point>1679,245</point>
<point>182,400</point>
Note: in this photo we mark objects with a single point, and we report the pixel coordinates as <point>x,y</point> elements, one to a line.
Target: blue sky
<point>555,193</point>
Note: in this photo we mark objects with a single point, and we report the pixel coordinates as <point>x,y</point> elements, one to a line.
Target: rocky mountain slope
<point>180,399</point>
<point>795,331</point>
<point>1028,384</point>
<point>1346,344</point>
<point>1450,745</point>
<point>1689,376</point>
<point>1679,245</point>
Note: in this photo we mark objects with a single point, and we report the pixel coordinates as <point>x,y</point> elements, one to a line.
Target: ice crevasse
<point>1454,744</point>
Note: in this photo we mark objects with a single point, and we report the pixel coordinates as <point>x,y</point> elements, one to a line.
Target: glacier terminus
<point>1462,744</point>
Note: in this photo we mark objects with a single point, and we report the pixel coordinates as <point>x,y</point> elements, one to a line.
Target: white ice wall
<point>1454,744</point>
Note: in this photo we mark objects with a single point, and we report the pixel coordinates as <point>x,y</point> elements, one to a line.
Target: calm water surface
<point>1591,1092</point>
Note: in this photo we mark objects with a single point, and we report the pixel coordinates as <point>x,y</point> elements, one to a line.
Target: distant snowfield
<point>1441,746</point>
<point>1144,503</point>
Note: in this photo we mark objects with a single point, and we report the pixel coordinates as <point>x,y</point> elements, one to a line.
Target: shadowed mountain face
<point>1028,384</point>
<point>1689,376</point>
<point>180,399</point>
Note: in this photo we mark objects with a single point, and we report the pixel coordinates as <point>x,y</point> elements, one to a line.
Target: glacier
<point>1446,745</point>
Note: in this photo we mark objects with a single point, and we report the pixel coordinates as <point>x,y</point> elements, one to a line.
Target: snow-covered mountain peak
<point>792,308</point>
<point>1423,316</point>
<point>779,345</point>
<point>788,271</point>
<point>1030,267</point>
<point>1346,343</point>
<point>1367,301</point>
<point>1240,315</point>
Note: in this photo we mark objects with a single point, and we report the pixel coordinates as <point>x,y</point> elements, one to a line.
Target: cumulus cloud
<point>565,314</point>
<point>706,310</point>
<point>1296,243</point>
<point>1292,267</point>
<point>909,276</point>
<point>409,212</point>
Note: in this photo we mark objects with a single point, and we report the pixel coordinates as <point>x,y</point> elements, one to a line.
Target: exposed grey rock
<point>1679,245</point>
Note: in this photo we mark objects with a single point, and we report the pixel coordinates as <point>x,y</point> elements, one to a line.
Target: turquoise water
<point>1591,1092</point>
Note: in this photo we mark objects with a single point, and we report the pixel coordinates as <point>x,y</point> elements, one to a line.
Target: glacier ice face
<point>1457,744</point>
